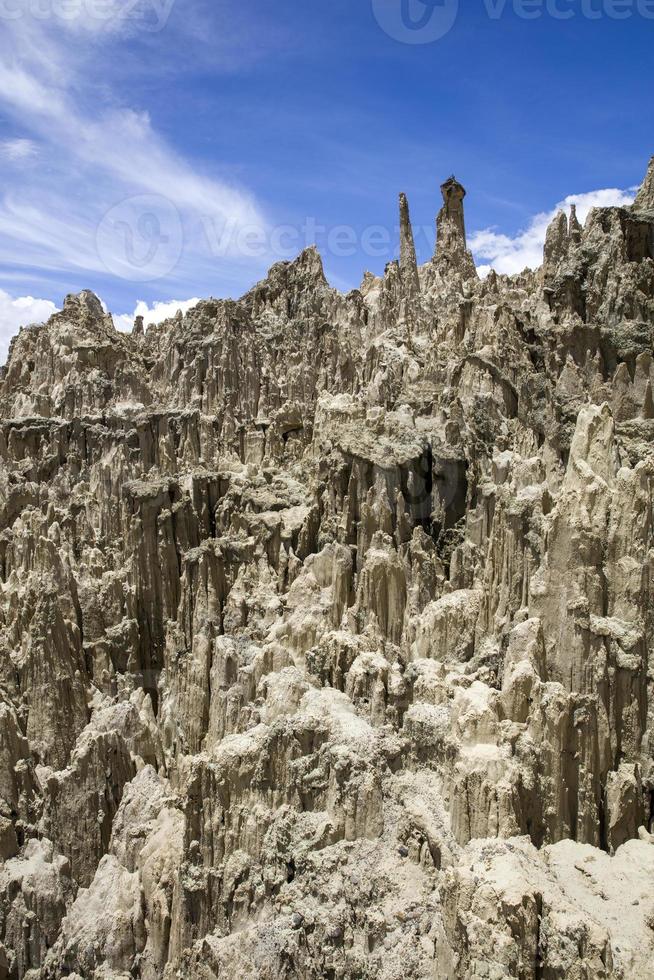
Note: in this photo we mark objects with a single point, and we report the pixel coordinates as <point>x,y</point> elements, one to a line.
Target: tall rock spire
<point>645,199</point>
<point>408,261</point>
<point>451,247</point>
<point>575,229</point>
<point>556,242</point>
<point>452,211</point>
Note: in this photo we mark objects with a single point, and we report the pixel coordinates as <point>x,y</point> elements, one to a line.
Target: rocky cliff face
<point>325,624</point>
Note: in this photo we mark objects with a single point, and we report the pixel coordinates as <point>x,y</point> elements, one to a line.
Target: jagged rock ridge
<point>325,624</point>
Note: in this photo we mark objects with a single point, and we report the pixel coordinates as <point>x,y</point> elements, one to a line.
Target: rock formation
<point>451,246</point>
<point>325,624</point>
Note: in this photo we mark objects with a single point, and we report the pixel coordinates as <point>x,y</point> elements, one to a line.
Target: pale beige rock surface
<point>325,624</point>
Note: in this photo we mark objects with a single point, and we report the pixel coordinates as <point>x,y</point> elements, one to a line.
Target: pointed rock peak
<point>408,261</point>
<point>648,404</point>
<point>574,225</point>
<point>452,186</point>
<point>310,261</point>
<point>453,194</point>
<point>405,219</point>
<point>451,250</point>
<point>369,281</point>
<point>85,311</point>
<point>491,281</point>
<point>556,239</point>
<point>645,198</point>
<point>558,226</point>
<point>296,284</point>
<point>83,306</point>
<point>306,267</point>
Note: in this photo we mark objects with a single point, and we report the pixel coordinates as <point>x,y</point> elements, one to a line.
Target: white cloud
<point>510,255</point>
<point>18,149</point>
<point>157,313</point>
<point>104,159</point>
<point>20,312</point>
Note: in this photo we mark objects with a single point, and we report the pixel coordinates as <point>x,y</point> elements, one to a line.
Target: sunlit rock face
<point>325,624</point>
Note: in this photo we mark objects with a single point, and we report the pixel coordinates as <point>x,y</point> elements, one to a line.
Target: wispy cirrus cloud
<point>91,17</point>
<point>116,198</point>
<point>16,150</point>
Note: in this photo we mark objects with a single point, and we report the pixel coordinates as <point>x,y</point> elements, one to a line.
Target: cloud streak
<point>98,160</point>
<point>18,150</point>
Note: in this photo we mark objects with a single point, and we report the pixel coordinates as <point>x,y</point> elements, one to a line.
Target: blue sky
<point>161,150</point>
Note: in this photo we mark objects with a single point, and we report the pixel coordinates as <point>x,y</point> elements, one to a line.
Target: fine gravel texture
<point>325,624</point>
